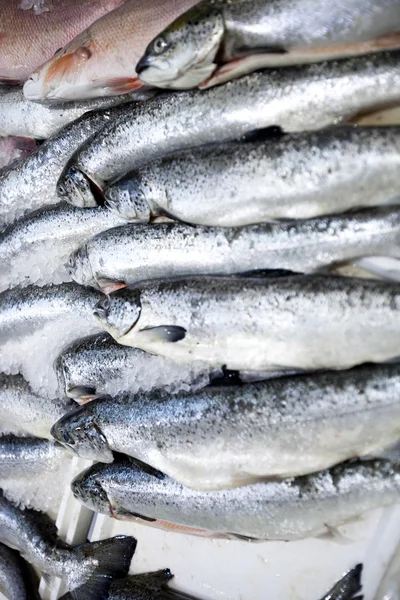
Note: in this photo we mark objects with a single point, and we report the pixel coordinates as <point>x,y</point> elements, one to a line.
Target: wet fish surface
<point>101,60</point>
<point>17,581</point>
<point>126,255</point>
<point>223,437</point>
<point>12,148</point>
<point>22,412</point>
<point>294,98</point>
<point>32,534</point>
<point>26,457</point>
<point>299,176</point>
<point>35,248</point>
<point>349,585</point>
<point>249,323</point>
<point>290,509</point>
<point>214,32</point>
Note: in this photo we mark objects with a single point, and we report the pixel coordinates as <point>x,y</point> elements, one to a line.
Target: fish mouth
<point>91,493</point>
<point>78,189</point>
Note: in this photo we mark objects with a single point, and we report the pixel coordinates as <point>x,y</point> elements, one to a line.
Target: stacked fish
<point>212,274</point>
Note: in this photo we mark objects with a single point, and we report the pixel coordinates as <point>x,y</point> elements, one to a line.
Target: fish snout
<point>75,188</point>
<point>88,490</point>
<point>143,64</point>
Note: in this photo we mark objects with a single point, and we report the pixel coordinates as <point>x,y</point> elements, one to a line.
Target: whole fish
<point>32,534</point>
<point>31,183</point>
<point>97,365</point>
<point>26,457</point>
<point>300,176</point>
<point>28,39</point>
<point>224,437</point>
<point>23,412</point>
<point>36,323</point>
<point>20,117</point>
<point>35,248</point>
<point>17,581</point>
<point>298,322</point>
<point>290,509</point>
<point>349,585</point>
<point>126,255</point>
<point>12,148</point>
<point>294,98</point>
<point>279,33</point>
<point>101,60</point>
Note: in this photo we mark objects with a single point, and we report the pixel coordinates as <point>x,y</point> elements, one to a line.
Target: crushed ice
<point>38,6</point>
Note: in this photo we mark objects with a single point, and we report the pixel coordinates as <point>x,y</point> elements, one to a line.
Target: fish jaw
<point>76,188</point>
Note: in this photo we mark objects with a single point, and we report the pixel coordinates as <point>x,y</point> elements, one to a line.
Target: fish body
<point>26,457</point>
<point>126,255</point>
<point>36,323</point>
<point>290,509</point>
<point>35,538</point>
<point>224,437</point>
<point>12,148</point>
<point>295,99</point>
<point>247,323</point>
<point>279,33</point>
<point>22,412</point>
<point>16,579</point>
<point>28,39</point>
<point>101,60</point>
<point>35,248</point>
<point>299,176</point>
<point>349,585</point>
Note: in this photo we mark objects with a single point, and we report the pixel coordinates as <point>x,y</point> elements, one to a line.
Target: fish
<point>31,183</point>
<point>101,60</point>
<point>17,580</point>
<point>245,35</point>
<point>23,412</point>
<point>92,564</point>
<point>298,176</point>
<point>349,585</point>
<point>225,437</point>
<point>97,365</point>
<point>126,255</point>
<point>310,97</point>
<point>146,585</point>
<point>21,117</point>
<point>12,148</point>
<point>28,38</point>
<point>37,323</point>
<point>27,457</point>
<point>289,509</point>
<point>305,322</point>
<point>35,248</point>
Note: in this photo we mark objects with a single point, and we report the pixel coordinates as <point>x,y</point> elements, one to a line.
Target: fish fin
<point>108,287</point>
<point>82,393</point>
<point>47,579</point>
<point>265,134</point>
<point>120,85</point>
<point>113,557</point>
<point>390,452</point>
<point>385,267</point>
<point>333,533</point>
<point>243,538</point>
<point>163,333</point>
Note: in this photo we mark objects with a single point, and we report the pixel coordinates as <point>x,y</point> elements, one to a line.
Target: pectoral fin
<point>162,333</point>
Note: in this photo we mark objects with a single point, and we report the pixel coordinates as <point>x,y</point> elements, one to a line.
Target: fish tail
<point>113,557</point>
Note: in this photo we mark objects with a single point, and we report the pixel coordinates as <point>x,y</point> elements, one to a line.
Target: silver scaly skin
<point>17,581</point>
<point>92,564</point>
<point>294,98</point>
<point>132,253</point>
<point>290,509</point>
<point>34,249</point>
<point>224,437</point>
<point>26,457</point>
<point>248,323</point>
<point>300,176</point>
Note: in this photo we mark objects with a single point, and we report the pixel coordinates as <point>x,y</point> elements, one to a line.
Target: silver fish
<point>35,538</point>
<point>34,249</point>
<point>290,509</point>
<point>28,457</point>
<point>23,412</point>
<point>298,322</point>
<point>300,176</point>
<point>17,581</point>
<point>31,183</point>
<point>36,323</point>
<point>224,437</point>
<point>295,98</point>
<point>21,117</point>
<point>97,365</point>
<point>349,585</point>
<point>126,255</point>
<point>214,32</point>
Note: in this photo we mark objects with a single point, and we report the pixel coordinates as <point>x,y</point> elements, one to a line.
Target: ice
<point>38,6</point>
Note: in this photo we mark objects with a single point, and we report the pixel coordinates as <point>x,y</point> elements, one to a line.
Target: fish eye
<point>67,438</point>
<point>104,303</point>
<point>159,45</point>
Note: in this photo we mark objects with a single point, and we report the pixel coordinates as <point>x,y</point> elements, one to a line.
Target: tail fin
<point>113,558</point>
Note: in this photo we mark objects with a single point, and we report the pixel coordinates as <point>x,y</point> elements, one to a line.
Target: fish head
<point>79,432</point>
<point>87,488</point>
<point>76,188</point>
<point>119,312</point>
<point>127,198</point>
<point>183,55</point>
<point>80,268</point>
